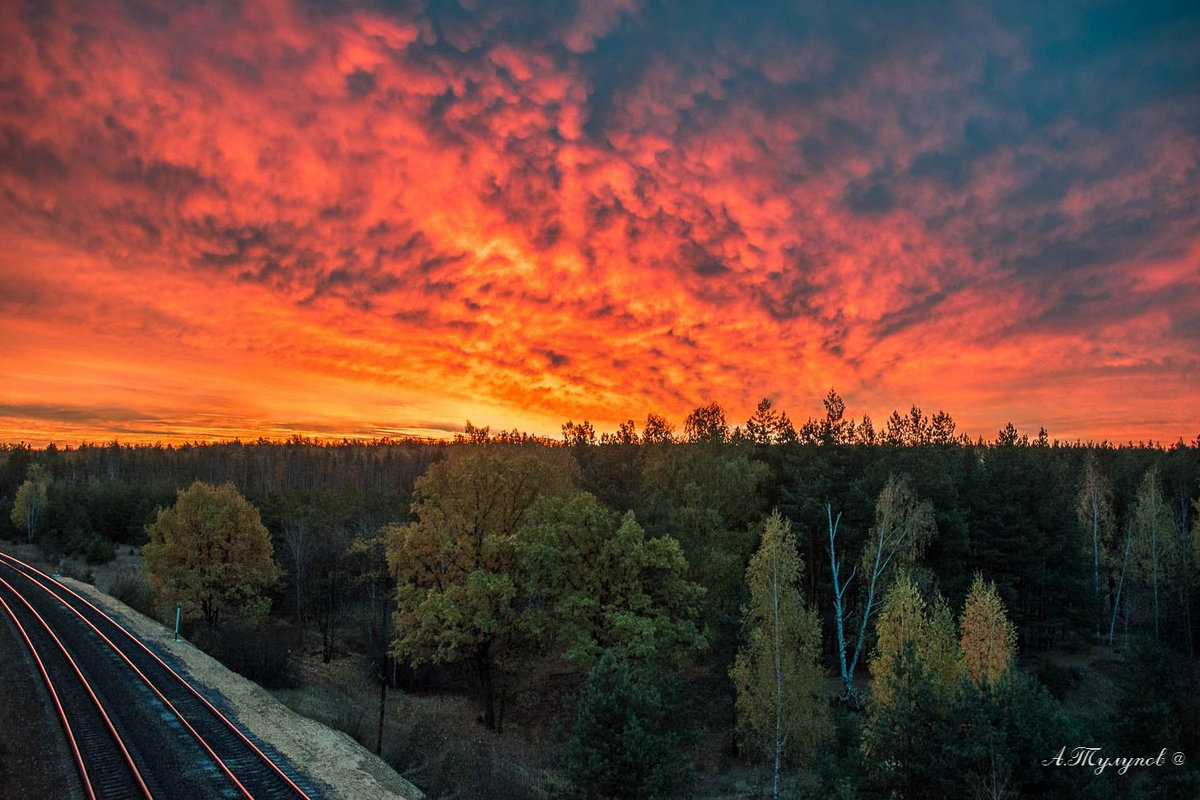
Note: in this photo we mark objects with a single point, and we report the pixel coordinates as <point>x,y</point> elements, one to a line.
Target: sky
<point>224,219</point>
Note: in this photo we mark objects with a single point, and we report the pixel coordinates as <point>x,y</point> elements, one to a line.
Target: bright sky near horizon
<point>230,218</point>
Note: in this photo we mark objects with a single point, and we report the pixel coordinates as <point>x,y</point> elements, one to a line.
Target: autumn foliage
<point>211,551</point>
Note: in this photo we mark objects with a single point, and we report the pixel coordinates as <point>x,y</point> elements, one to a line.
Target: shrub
<point>131,588</point>
<point>70,568</point>
<point>258,652</point>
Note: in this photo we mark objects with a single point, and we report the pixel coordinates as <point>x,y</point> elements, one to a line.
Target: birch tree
<point>1094,509</point>
<point>30,503</point>
<point>778,681</point>
<point>903,528</point>
<point>295,538</point>
<point>1120,585</point>
<point>1154,552</point>
<point>901,625</point>
<point>989,640</point>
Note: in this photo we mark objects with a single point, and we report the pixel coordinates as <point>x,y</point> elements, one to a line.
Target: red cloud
<point>350,223</point>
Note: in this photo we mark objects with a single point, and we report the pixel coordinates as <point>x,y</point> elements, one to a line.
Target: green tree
<point>707,495</point>
<point>30,503</point>
<point>706,424</point>
<point>458,593</point>
<point>211,551</point>
<point>627,738</point>
<point>908,700</point>
<point>768,426</point>
<point>657,430</point>
<point>578,434</point>
<point>904,707</point>
<point>779,683</point>
<point>835,428</point>
<point>599,583</point>
<point>989,640</point>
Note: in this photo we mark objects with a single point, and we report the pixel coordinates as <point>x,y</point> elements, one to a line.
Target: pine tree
<point>627,736</point>
<point>778,681</point>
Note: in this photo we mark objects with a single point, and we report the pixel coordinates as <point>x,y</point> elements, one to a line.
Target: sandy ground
<point>330,758</point>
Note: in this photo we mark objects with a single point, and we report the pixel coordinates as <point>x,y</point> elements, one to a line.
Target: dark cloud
<point>869,198</point>
<point>716,188</point>
<point>555,359</point>
<point>360,83</point>
<point>73,414</point>
<point>33,161</point>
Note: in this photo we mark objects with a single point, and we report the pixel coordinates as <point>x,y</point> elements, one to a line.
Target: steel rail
<point>37,577</point>
<point>79,761</point>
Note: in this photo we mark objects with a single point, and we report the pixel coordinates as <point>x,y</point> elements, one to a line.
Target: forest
<point>825,609</point>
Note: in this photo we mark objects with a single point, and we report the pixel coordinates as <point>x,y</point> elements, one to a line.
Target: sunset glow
<point>226,219</point>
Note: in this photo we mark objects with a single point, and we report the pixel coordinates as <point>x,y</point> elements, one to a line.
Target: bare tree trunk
<point>1127,622</point>
<point>1120,587</point>
<point>483,665</point>
<point>872,587</point>
<point>1187,621</point>
<point>295,536</point>
<point>383,687</point>
<point>327,624</point>
<point>1096,561</point>
<point>1154,567</point>
<point>383,676</point>
<point>839,591</point>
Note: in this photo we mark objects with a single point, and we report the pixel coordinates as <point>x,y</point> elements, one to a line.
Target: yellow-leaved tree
<point>942,653</point>
<point>989,640</point>
<point>781,710</point>
<point>211,552</point>
<point>916,669</point>
<point>30,503</point>
<point>904,526</point>
<point>1155,553</point>
<point>901,628</point>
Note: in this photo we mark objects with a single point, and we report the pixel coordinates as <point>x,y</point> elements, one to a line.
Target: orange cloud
<point>289,218</point>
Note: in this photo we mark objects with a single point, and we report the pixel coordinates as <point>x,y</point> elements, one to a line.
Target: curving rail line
<point>254,774</point>
<point>102,758</point>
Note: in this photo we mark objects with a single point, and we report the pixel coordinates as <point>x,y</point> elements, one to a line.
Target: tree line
<point>919,572</point>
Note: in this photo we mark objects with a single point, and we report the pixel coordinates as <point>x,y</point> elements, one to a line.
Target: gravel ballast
<point>331,759</point>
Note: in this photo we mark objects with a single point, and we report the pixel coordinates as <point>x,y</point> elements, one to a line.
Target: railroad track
<point>136,726</point>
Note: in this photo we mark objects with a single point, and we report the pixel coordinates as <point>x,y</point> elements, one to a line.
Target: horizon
<point>359,222</point>
<point>490,433</point>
